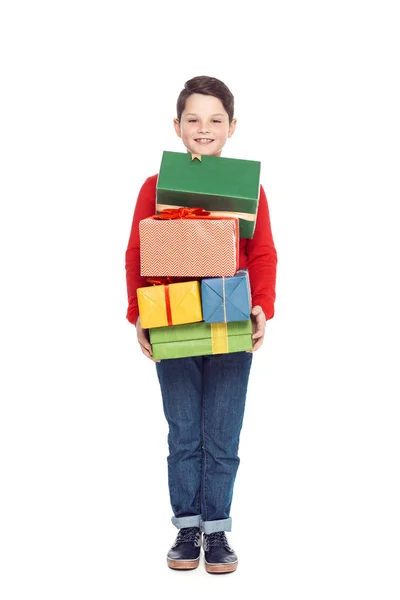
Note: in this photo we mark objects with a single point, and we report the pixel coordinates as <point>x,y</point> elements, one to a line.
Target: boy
<point>204,396</point>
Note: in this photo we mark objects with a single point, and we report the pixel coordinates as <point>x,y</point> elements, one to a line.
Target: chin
<point>209,151</point>
<point>205,151</point>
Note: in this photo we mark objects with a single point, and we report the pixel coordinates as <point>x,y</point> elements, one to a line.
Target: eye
<point>192,120</point>
<point>216,121</point>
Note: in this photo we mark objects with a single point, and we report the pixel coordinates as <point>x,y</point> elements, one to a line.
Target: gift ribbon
<point>168,304</point>
<point>160,280</point>
<point>213,213</point>
<point>219,338</point>
<point>224,298</point>
<point>165,281</point>
<point>182,213</point>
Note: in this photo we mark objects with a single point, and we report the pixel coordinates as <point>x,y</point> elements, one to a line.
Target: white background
<point>87,102</point>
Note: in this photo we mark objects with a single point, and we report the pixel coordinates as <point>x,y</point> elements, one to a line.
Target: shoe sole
<point>221,568</point>
<point>184,565</point>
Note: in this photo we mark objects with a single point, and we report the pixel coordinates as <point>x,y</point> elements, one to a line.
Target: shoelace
<point>216,539</point>
<point>187,534</point>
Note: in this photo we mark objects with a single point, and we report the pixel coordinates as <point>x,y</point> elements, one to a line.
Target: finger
<point>146,347</point>
<point>258,320</point>
<point>257,324</point>
<point>145,343</point>
<point>147,353</point>
<point>258,334</point>
<point>258,344</point>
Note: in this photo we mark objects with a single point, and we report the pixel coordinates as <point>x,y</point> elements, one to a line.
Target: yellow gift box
<point>171,304</point>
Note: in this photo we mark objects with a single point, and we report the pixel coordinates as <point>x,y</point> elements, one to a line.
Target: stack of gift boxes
<point>198,302</point>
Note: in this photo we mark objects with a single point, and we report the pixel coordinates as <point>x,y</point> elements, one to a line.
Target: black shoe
<point>219,556</point>
<point>185,553</point>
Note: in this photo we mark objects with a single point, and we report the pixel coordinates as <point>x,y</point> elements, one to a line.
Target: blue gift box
<point>226,299</point>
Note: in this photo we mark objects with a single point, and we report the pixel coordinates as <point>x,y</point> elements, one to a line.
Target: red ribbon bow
<point>160,280</point>
<point>181,213</point>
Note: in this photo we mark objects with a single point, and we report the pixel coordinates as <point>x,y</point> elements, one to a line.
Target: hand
<point>143,339</point>
<point>258,322</point>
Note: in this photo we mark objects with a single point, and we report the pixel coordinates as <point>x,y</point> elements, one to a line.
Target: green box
<point>223,185</point>
<point>195,339</point>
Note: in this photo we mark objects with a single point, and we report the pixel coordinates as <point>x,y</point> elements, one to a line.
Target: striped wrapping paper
<point>198,247</point>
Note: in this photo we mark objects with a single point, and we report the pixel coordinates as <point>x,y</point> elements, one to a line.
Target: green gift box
<point>198,339</point>
<point>223,186</point>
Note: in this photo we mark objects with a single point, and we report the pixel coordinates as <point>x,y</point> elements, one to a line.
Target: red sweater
<point>258,255</point>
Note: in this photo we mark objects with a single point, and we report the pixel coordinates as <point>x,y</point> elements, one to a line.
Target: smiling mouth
<point>203,140</point>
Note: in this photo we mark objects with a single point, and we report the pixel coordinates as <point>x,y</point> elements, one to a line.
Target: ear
<point>232,128</point>
<point>177,126</point>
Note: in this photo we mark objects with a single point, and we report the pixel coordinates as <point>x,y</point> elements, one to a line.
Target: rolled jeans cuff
<point>213,526</point>
<point>192,521</point>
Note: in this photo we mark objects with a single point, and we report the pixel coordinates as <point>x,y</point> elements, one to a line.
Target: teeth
<point>203,140</point>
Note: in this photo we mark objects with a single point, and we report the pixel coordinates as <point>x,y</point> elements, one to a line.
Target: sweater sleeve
<point>145,207</point>
<point>262,260</point>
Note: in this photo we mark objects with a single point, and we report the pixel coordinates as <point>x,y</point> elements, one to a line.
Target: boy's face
<point>204,126</point>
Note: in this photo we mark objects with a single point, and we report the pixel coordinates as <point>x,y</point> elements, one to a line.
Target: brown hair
<point>209,86</point>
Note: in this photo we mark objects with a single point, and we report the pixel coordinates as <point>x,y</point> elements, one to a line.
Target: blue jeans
<point>203,399</point>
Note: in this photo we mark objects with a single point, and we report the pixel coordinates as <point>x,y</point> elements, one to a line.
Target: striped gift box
<point>189,247</point>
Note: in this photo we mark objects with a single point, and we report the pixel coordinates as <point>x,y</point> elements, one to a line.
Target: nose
<point>203,128</point>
